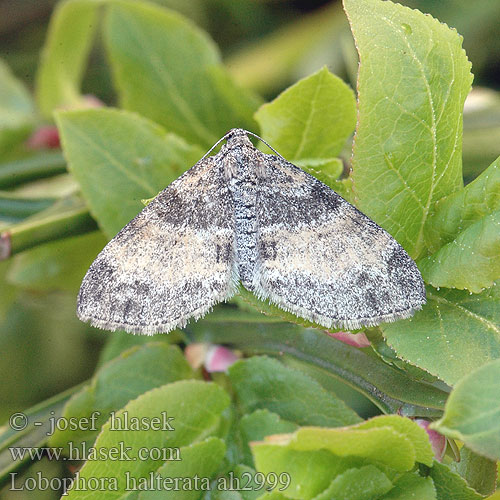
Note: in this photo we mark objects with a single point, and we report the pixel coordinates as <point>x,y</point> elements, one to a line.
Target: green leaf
<point>329,452</point>
<point>452,335</point>
<point>196,407</point>
<point>465,226</point>
<point>16,108</point>
<point>259,424</point>
<point>121,341</point>
<point>334,385</point>
<point>327,171</point>
<point>241,483</point>
<point>411,485</point>
<point>131,495</point>
<point>271,458</point>
<point>262,382</point>
<point>407,427</point>
<point>64,56</point>
<point>381,445</point>
<point>310,121</point>
<point>124,378</point>
<point>274,495</point>
<point>169,71</point>
<point>365,483</point>
<point>458,211</point>
<point>198,460</point>
<point>389,355</point>
<point>471,261</point>
<point>412,82</point>
<point>450,485</point>
<point>472,412</point>
<point>479,472</point>
<point>120,158</point>
<point>57,265</point>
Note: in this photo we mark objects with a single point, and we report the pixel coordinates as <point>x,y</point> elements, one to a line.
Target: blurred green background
<point>267,45</point>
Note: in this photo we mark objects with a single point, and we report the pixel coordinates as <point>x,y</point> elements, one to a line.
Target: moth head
<point>237,137</point>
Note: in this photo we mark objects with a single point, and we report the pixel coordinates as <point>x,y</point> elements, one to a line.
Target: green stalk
<point>12,206</point>
<point>31,168</point>
<point>387,387</point>
<point>38,230</point>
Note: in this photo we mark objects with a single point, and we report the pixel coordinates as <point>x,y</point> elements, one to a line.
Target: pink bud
<point>219,359</point>
<point>45,137</point>
<point>354,339</point>
<point>438,441</point>
<point>215,358</point>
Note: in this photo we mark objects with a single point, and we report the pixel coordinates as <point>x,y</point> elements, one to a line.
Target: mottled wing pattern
<point>172,262</point>
<point>320,258</point>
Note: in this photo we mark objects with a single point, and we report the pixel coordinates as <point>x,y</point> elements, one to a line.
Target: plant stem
<point>17,207</point>
<point>31,168</point>
<point>387,387</point>
<point>38,230</point>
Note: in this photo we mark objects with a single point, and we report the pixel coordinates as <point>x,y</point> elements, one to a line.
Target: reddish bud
<point>219,359</point>
<point>438,441</point>
<point>215,358</point>
<point>45,137</point>
<point>354,339</point>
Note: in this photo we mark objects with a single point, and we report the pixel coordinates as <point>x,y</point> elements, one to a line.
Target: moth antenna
<point>246,131</point>
<point>262,140</point>
<point>215,145</point>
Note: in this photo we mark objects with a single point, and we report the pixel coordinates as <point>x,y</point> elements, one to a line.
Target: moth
<point>245,217</point>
